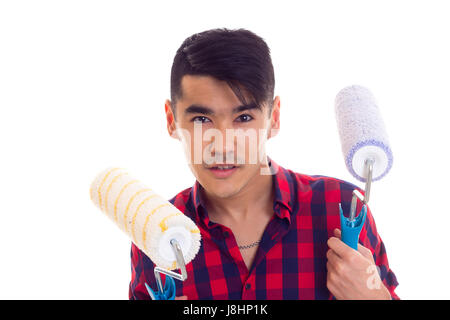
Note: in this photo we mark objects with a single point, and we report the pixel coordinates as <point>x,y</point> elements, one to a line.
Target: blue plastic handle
<point>168,291</point>
<point>350,229</point>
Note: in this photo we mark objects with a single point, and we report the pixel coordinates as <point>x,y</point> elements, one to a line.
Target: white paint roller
<point>364,141</point>
<point>149,220</point>
<point>362,133</point>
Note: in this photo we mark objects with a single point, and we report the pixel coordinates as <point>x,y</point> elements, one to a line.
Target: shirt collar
<point>282,187</point>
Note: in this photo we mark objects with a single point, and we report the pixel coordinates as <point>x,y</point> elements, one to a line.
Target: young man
<point>267,232</point>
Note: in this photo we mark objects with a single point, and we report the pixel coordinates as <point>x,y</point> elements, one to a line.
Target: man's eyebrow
<point>197,108</point>
<point>247,107</point>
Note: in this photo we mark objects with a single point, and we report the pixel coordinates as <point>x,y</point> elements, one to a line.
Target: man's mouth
<point>223,167</point>
<point>222,171</point>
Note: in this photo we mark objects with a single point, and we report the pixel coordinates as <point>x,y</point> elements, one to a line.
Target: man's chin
<point>220,189</point>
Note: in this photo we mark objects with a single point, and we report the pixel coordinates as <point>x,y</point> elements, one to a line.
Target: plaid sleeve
<point>370,239</point>
<point>140,263</point>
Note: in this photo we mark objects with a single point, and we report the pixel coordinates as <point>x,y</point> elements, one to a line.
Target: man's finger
<point>337,233</point>
<point>365,252</point>
<point>332,257</point>
<point>341,249</point>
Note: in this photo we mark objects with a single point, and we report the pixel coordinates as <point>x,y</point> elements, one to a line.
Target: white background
<point>83,84</point>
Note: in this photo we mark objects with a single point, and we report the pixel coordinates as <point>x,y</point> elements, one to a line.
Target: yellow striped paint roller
<point>149,220</point>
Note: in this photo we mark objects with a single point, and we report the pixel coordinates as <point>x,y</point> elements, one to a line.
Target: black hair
<point>239,57</point>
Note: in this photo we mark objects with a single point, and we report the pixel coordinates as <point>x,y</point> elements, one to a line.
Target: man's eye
<point>245,118</point>
<point>200,119</point>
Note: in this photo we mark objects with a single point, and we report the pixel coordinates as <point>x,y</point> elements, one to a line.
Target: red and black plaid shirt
<point>291,259</point>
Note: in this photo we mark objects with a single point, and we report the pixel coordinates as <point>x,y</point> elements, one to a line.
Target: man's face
<point>217,130</point>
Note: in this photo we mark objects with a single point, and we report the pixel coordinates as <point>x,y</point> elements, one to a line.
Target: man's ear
<point>170,117</point>
<point>275,118</point>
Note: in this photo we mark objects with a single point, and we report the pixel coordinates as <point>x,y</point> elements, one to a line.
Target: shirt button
<point>248,286</point>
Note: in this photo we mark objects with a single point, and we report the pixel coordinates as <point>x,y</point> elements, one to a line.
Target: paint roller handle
<point>350,229</point>
<point>167,291</point>
<point>352,226</point>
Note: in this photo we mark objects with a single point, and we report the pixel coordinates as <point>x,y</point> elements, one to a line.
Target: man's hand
<point>353,274</point>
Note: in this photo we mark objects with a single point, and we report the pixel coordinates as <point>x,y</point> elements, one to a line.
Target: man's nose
<point>223,141</point>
